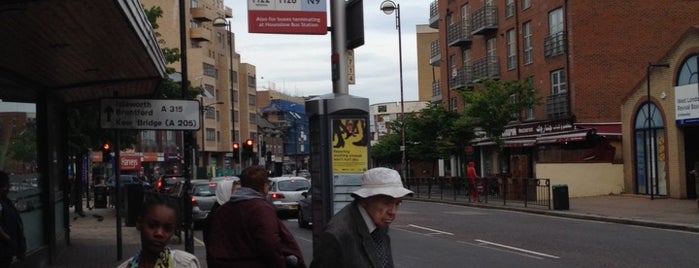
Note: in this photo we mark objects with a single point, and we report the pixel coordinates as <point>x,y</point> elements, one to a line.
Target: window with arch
<point>688,71</point>
<point>649,140</point>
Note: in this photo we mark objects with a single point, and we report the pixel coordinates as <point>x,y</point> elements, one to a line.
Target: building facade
<point>583,57</point>
<point>228,85</point>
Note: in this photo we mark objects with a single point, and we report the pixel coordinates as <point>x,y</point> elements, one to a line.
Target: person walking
<point>12,242</point>
<point>472,179</point>
<point>245,231</point>
<point>224,190</point>
<point>157,224</point>
<point>357,236</point>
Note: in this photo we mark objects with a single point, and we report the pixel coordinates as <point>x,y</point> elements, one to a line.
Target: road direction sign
<point>149,114</point>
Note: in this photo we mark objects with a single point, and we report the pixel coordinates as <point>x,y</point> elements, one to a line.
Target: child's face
<point>157,227</point>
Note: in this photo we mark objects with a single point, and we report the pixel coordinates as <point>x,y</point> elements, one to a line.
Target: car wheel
<point>302,222</point>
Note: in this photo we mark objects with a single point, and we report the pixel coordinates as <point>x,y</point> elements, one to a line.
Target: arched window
<point>688,72</point>
<point>650,150</point>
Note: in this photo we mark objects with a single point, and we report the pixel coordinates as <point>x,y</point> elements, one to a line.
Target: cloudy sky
<point>299,65</point>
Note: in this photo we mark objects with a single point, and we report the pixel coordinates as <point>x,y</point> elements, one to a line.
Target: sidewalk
<point>93,242</point>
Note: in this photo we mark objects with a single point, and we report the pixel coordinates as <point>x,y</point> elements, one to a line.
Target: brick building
<point>584,58</point>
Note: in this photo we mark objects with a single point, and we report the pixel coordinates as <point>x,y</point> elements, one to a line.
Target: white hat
<point>382,181</point>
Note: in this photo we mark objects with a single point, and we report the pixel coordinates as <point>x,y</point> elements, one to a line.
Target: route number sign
<point>149,114</point>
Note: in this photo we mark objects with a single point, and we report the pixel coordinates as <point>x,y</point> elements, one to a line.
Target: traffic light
<point>106,152</point>
<point>247,148</point>
<point>236,152</point>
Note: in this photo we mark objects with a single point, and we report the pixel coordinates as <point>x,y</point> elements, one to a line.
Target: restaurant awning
<point>79,49</point>
<point>562,137</point>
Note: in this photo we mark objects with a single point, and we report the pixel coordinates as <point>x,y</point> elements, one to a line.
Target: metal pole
<point>338,35</point>
<point>402,106</point>
<point>188,139</point>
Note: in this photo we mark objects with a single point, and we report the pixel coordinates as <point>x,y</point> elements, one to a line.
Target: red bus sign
<point>287,16</point>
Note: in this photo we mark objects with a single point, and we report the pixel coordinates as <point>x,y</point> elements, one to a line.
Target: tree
<point>496,104</point>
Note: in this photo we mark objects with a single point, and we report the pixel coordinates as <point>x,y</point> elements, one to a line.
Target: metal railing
<point>523,192</point>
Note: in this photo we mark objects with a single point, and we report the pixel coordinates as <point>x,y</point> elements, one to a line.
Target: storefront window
<point>18,158</point>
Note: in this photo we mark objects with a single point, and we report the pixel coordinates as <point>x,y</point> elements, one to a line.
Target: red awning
<point>607,130</point>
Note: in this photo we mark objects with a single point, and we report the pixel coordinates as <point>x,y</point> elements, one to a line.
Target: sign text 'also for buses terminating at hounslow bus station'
<point>149,114</point>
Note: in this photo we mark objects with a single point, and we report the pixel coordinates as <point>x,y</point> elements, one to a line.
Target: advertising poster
<point>287,17</point>
<point>349,146</point>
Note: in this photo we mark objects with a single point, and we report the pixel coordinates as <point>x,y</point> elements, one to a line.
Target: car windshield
<point>294,185</point>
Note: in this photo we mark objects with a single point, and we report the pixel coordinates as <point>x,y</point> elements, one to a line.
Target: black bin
<point>100,196</point>
<point>560,197</point>
<point>133,202</point>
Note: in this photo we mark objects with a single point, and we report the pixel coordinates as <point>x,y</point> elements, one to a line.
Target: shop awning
<point>509,143</point>
<point>607,130</point>
<point>561,137</point>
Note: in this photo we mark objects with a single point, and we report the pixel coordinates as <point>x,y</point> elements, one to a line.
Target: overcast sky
<point>299,65</point>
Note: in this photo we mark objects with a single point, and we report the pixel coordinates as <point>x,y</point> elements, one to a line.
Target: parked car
<point>167,181</point>
<point>286,192</point>
<point>125,179</point>
<point>305,215</point>
<point>203,194</point>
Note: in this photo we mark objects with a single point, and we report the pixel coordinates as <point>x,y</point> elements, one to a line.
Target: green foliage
<point>496,104</point>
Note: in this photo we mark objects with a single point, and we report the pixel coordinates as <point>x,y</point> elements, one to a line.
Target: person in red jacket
<point>245,231</point>
<point>472,176</point>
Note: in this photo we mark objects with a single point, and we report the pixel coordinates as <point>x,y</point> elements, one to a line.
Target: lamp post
<point>222,22</point>
<point>204,109</point>
<point>649,138</point>
<point>388,7</point>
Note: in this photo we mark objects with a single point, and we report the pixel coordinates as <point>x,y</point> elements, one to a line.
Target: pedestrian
<point>224,190</point>
<point>245,231</point>
<point>12,242</point>
<point>157,224</point>
<point>472,178</point>
<point>357,236</point>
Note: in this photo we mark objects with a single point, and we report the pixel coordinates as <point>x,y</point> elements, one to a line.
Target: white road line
<point>518,249</point>
<point>430,229</point>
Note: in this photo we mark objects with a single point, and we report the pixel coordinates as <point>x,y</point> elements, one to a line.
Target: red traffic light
<point>106,147</point>
<point>249,142</point>
<point>236,146</point>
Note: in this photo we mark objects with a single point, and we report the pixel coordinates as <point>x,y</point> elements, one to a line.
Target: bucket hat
<point>382,181</point>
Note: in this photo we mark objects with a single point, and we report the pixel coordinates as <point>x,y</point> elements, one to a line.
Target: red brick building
<point>584,57</point>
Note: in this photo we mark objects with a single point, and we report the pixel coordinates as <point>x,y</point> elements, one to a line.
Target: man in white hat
<point>357,236</point>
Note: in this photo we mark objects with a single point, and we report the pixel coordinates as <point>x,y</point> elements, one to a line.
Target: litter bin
<point>560,197</point>
<point>100,196</point>
<point>133,203</point>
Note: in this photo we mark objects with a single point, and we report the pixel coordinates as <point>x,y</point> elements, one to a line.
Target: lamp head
<point>220,22</point>
<point>388,7</point>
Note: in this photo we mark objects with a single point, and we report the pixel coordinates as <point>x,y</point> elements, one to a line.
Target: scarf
<point>164,260</point>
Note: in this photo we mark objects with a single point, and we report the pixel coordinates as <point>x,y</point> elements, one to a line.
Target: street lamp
<point>204,108</point>
<point>388,7</point>
<point>649,138</point>
<point>222,22</point>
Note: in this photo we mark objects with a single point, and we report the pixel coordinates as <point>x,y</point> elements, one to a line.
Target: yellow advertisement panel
<point>349,146</point>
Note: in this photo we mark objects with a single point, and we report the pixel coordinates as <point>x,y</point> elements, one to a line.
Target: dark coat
<point>11,223</point>
<point>246,232</point>
<point>346,242</point>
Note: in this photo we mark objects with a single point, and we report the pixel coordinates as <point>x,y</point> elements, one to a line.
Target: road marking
<point>518,249</point>
<point>430,229</point>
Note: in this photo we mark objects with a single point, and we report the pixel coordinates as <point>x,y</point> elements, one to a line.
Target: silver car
<point>203,195</point>
<point>286,192</point>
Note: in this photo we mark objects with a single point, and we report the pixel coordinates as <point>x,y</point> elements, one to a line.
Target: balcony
<point>484,20</point>
<point>436,91</point>
<point>557,106</point>
<point>459,35</point>
<point>461,78</point>
<point>202,14</point>
<point>486,68</point>
<point>434,14</point>
<point>435,54</point>
<point>200,34</point>
<point>555,44</point>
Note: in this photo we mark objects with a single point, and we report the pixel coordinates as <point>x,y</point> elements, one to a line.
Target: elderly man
<point>357,236</point>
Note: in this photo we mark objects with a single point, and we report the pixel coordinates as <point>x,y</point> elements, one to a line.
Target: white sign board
<point>687,104</point>
<point>149,114</point>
